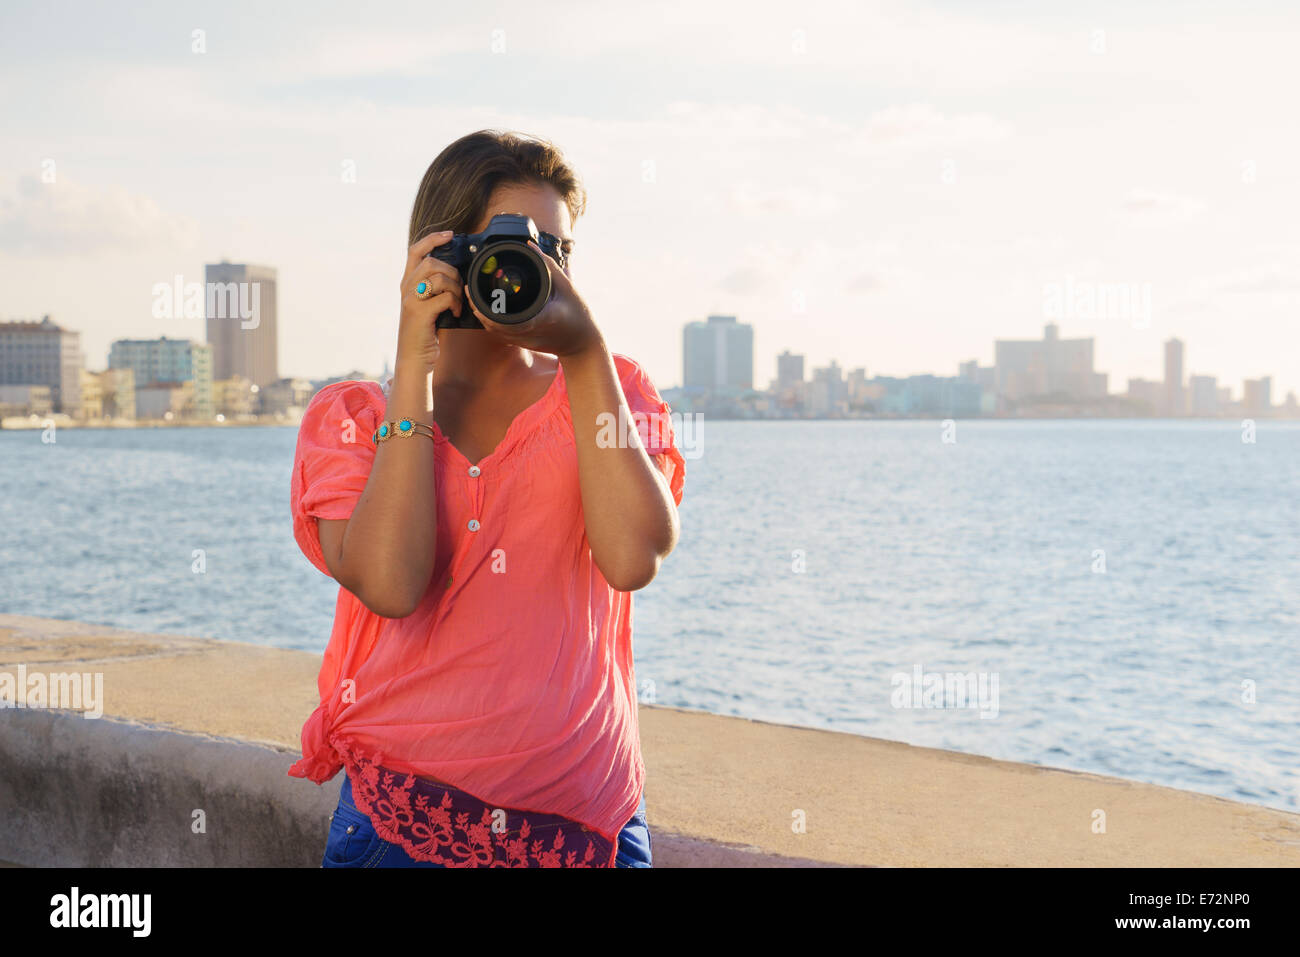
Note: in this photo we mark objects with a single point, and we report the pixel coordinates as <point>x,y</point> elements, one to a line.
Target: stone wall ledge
<point>195,724</point>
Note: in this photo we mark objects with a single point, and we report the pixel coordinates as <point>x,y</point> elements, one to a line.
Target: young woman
<point>478,686</point>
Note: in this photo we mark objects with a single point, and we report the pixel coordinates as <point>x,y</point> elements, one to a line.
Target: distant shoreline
<point>26,425</point>
<point>8,425</point>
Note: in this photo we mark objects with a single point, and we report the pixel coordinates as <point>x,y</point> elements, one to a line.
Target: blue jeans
<point>353,842</point>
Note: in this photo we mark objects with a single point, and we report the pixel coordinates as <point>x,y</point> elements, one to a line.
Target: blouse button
<point>474,471</point>
<point>473,525</point>
<point>351,828</point>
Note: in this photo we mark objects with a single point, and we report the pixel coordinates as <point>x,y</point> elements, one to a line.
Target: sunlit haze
<point>888,185</point>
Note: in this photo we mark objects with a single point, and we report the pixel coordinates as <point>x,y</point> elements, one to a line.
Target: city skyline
<point>1027,376</point>
<point>196,380</point>
<point>269,347</point>
<point>897,183</point>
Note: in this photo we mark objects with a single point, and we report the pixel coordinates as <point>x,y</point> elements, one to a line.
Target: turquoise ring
<point>423,290</point>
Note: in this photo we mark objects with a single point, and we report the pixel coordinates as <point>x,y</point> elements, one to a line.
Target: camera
<point>508,280</point>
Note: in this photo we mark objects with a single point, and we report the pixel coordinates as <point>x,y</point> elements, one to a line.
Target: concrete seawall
<point>202,730</point>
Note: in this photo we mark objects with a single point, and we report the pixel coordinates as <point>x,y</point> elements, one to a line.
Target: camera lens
<point>511,283</point>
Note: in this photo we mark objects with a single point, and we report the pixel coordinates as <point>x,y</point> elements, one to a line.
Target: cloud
<point>816,273</point>
<point>745,281</point>
<point>1274,280</point>
<point>64,217</point>
<point>1143,207</point>
<point>866,281</point>
<point>750,199</point>
<point>919,127</point>
<point>724,122</point>
<point>1267,277</point>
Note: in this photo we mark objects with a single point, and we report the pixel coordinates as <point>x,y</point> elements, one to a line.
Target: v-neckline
<point>515,425</point>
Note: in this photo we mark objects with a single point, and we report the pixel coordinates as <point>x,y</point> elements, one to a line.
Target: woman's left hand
<point>564,327</point>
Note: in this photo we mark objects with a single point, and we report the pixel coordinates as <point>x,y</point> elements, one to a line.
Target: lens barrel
<point>508,282</point>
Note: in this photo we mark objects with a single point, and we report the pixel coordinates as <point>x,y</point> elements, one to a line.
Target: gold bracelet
<point>402,427</point>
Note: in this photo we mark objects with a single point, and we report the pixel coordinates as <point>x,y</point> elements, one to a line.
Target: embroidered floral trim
<point>447,826</point>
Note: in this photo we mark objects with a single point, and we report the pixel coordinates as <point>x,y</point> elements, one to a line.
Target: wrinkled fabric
<point>513,679</point>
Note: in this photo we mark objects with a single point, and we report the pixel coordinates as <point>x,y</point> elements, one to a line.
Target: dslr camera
<point>508,280</point>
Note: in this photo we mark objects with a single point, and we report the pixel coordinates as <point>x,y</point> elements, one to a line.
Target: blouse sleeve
<point>653,419</point>
<point>332,461</point>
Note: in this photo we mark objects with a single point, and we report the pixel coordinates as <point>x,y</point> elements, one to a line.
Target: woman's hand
<point>417,335</point>
<point>564,327</point>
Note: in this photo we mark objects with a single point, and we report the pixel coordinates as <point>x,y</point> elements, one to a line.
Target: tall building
<point>1204,393</point>
<point>43,353</point>
<point>789,369</point>
<point>241,319</point>
<point>1257,395</point>
<point>1051,366</point>
<point>718,355</point>
<point>1175,393</point>
<point>986,377</point>
<point>828,393</point>
<point>166,362</point>
<point>856,388</point>
<point>789,390</point>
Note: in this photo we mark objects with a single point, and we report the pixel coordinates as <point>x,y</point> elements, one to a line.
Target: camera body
<point>508,280</point>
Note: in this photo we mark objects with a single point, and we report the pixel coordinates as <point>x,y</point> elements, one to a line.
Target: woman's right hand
<point>417,336</point>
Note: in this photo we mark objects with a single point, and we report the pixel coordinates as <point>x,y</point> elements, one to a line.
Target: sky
<point>890,185</point>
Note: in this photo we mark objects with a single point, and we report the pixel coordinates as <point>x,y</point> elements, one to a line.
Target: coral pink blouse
<point>513,679</point>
